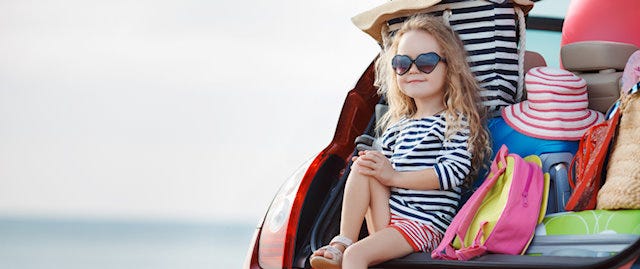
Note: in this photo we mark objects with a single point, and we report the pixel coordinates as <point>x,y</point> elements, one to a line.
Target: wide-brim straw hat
<point>557,106</point>
<point>372,21</point>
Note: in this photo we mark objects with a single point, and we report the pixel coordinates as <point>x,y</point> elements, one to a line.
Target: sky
<point>193,110</point>
<point>181,110</point>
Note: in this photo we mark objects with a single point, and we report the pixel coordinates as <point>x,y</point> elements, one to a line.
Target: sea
<point>101,244</point>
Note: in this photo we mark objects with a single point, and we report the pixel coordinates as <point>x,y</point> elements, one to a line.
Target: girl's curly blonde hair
<point>461,90</point>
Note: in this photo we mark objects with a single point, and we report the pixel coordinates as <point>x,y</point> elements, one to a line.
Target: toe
<point>319,252</point>
<point>328,255</point>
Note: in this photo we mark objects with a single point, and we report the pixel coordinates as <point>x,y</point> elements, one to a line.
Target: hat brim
<point>371,21</point>
<point>548,124</point>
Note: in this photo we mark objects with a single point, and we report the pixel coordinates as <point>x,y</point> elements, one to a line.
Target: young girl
<point>434,141</point>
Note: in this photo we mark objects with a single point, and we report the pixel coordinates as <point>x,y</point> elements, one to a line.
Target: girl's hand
<point>376,165</point>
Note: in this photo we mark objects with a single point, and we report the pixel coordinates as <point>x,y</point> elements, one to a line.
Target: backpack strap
<point>461,222</point>
<point>475,250</point>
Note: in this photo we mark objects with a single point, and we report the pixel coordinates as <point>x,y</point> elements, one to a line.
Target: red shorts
<point>422,237</point>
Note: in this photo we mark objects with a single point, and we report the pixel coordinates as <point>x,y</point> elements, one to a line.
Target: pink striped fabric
<point>557,106</point>
<point>422,237</point>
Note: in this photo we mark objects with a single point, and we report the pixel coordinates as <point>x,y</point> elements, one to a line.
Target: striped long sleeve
<point>418,144</point>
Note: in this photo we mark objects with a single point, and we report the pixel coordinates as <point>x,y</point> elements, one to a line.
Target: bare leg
<point>378,215</point>
<point>382,246</point>
<point>363,194</point>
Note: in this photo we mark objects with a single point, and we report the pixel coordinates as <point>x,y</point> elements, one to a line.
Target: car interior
<point>602,74</point>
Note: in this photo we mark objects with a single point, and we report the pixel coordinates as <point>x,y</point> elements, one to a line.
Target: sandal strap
<point>337,254</point>
<point>346,242</point>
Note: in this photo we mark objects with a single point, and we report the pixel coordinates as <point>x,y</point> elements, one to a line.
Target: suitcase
<point>557,165</point>
<point>556,156</point>
<point>589,233</point>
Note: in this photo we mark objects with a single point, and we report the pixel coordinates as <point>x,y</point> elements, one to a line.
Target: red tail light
<point>276,243</point>
<point>275,247</point>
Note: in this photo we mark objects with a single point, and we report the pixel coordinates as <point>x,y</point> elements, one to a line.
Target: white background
<point>166,109</point>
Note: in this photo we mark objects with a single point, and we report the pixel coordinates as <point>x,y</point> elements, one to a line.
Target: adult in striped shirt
<point>434,139</point>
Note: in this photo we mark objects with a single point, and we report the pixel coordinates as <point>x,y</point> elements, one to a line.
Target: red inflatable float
<point>606,20</point>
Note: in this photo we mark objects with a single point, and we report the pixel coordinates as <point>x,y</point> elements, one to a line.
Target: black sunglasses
<point>425,62</point>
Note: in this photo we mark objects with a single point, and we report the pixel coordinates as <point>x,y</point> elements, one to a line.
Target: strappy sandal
<point>335,262</point>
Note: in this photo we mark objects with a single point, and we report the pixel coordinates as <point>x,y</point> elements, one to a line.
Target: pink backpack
<point>501,216</point>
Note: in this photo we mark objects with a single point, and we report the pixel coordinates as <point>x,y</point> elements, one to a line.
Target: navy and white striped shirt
<point>418,144</point>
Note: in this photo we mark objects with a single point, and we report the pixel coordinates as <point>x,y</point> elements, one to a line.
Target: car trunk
<point>320,214</point>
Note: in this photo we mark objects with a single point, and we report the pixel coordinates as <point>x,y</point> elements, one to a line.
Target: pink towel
<point>631,74</point>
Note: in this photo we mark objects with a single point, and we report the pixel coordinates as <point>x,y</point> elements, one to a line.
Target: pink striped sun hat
<point>556,108</point>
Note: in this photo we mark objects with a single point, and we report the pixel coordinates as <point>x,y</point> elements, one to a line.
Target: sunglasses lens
<point>427,62</point>
<point>401,64</point>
